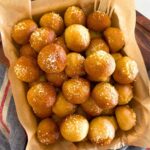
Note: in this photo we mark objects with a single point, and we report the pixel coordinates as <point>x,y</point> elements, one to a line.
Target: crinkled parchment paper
<point>124,17</point>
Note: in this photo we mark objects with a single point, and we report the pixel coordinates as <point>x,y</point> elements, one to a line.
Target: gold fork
<point>104,6</point>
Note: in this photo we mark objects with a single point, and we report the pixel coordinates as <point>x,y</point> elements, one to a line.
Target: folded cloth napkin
<point>12,134</point>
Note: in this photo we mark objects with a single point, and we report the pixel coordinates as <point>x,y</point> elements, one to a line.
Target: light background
<point>143,6</point>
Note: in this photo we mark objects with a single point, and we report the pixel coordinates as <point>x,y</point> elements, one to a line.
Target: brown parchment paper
<point>124,17</point>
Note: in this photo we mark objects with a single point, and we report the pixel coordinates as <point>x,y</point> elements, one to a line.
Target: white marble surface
<point>143,6</point>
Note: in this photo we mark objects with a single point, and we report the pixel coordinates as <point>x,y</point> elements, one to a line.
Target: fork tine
<point>111,8</point>
<point>100,7</point>
<point>108,7</point>
<point>103,5</point>
<point>95,5</point>
<point>111,11</point>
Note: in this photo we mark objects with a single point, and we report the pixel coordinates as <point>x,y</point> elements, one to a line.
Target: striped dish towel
<point>12,135</point>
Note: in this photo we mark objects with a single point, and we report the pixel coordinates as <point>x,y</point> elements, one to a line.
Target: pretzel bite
<point>61,41</point>
<point>62,107</point>
<point>105,95</point>
<point>117,56</point>
<point>74,128</point>
<point>27,50</point>
<point>112,119</point>
<point>57,79</point>
<point>100,65</point>
<point>75,65</point>
<point>57,119</point>
<point>54,21</point>
<point>114,38</point>
<point>74,15</point>
<point>126,117</point>
<point>26,69</point>
<point>108,111</point>
<point>125,93</point>
<point>91,108</point>
<point>52,58</point>
<point>126,70</point>
<point>98,79</point>
<point>22,30</point>
<point>94,34</point>
<point>76,90</point>
<point>77,37</point>
<point>96,45</point>
<point>81,112</point>
<point>42,78</point>
<point>47,131</point>
<point>41,37</point>
<point>41,97</point>
<point>98,21</point>
<point>101,131</point>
